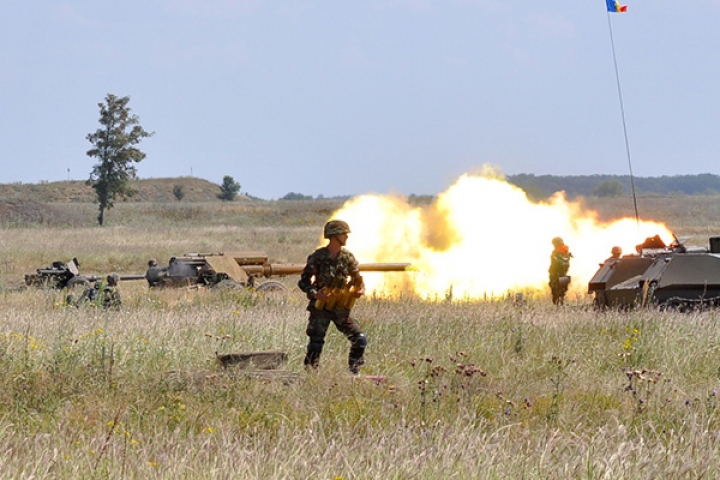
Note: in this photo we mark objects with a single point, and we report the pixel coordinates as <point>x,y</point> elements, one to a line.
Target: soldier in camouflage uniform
<point>88,296</point>
<point>97,295</point>
<point>559,265</point>
<point>332,267</point>
<point>111,295</point>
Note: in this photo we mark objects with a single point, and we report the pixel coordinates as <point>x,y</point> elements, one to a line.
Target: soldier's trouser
<point>558,291</point>
<point>318,324</point>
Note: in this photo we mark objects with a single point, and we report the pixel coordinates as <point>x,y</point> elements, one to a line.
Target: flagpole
<point>622,113</point>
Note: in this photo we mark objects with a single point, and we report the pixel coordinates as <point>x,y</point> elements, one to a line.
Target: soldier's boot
<point>355,364</point>
<point>312,357</point>
<point>357,353</point>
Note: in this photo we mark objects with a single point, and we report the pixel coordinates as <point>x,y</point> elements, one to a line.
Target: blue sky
<point>340,97</point>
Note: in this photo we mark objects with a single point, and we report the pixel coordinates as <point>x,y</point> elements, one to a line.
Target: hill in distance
<point>538,187</point>
<point>151,190</point>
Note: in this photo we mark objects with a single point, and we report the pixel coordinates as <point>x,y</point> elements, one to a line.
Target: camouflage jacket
<point>111,297</point>
<point>559,264</point>
<point>322,271</point>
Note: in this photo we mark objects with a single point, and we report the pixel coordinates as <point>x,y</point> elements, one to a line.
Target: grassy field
<point>473,389</point>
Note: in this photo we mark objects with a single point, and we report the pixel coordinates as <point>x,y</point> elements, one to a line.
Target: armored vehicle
<point>674,276</point>
<point>247,269</point>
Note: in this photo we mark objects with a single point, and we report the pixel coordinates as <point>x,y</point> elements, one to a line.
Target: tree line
<point>542,186</point>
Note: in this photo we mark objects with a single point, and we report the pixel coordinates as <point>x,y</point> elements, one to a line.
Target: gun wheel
<point>271,286</point>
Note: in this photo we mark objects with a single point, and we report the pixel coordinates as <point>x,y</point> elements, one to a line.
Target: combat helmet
<point>335,227</point>
<point>557,241</point>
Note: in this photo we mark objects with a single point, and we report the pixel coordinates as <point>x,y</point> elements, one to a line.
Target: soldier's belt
<point>340,299</point>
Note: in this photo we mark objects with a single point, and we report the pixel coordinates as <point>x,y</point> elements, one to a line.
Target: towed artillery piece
<point>246,269</point>
<point>670,277</point>
<point>66,275</point>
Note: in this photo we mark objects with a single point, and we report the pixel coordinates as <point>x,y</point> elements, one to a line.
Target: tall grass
<point>474,390</point>
<point>471,390</point>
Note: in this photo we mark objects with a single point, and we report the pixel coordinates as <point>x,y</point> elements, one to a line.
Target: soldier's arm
<point>307,276</point>
<point>356,280</point>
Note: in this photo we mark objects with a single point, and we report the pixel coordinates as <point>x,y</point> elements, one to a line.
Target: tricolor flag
<point>614,6</point>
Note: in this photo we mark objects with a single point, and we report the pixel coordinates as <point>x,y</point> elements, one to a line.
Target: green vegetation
<point>609,188</point>
<point>228,189</point>
<point>195,189</point>
<point>114,145</point>
<point>473,389</point>
<point>178,192</point>
<point>489,392</point>
<point>586,185</point>
<point>296,196</point>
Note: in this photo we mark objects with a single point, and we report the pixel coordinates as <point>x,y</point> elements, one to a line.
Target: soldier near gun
<point>89,296</point>
<point>332,282</point>
<point>110,293</point>
<point>559,266</point>
<point>106,296</point>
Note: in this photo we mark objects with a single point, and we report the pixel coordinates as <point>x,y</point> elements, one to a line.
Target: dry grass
<point>473,390</point>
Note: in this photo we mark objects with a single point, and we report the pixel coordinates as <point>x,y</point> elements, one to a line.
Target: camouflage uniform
<point>89,295</point>
<point>322,271</point>
<point>97,295</point>
<point>111,295</point>
<point>559,266</point>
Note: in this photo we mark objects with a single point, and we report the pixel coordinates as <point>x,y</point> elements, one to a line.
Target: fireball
<point>482,238</point>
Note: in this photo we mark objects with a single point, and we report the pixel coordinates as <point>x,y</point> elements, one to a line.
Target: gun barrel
<point>95,278</point>
<point>269,269</point>
<point>132,277</point>
<point>384,267</point>
<point>282,269</point>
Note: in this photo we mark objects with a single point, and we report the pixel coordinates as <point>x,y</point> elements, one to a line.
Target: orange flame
<point>482,238</point>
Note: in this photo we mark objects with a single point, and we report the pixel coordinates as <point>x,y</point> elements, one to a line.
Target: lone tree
<point>114,147</point>
<point>178,192</point>
<point>229,189</point>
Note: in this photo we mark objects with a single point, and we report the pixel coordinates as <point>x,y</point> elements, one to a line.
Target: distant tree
<point>608,188</point>
<point>296,196</point>
<point>229,189</point>
<point>114,147</point>
<point>178,192</point>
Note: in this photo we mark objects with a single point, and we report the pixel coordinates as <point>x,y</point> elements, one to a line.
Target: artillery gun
<point>675,276</point>
<point>248,269</point>
<point>66,275</point>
